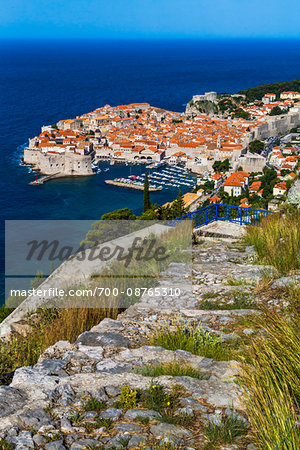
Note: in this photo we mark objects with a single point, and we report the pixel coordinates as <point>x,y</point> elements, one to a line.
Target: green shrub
<point>163,402</point>
<point>128,397</point>
<point>4,312</point>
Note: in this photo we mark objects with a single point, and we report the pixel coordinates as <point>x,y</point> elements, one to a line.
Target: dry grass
<point>53,325</point>
<point>271,382</point>
<point>277,241</point>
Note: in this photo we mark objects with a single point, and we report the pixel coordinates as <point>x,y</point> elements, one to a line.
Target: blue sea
<point>42,82</point>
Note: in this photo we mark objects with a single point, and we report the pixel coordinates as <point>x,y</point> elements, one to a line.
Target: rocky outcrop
<point>71,398</point>
<point>294,194</point>
<point>201,107</point>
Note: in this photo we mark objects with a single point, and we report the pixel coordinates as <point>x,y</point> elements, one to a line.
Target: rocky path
<point>74,397</point>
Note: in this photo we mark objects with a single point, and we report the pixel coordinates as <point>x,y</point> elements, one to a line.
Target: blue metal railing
<point>229,213</point>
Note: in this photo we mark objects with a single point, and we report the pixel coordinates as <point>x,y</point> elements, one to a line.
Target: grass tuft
<point>271,382</point>
<point>76,417</point>
<point>238,282</point>
<point>233,300</point>
<point>194,341</point>
<point>156,398</point>
<point>143,420</point>
<point>277,241</point>
<point>107,423</point>
<point>4,445</point>
<point>94,405</point>
<point>173,368</point>
<point>225,433</point>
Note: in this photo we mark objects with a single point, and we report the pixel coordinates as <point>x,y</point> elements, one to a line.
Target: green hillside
<point>256,93</point>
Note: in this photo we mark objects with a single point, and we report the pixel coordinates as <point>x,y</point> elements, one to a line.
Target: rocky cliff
<point>201,107</point>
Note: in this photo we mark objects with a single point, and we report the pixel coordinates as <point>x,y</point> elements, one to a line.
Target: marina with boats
<point>169,177</point>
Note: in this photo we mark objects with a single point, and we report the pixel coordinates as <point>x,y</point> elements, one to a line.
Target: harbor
<point>168,177</point>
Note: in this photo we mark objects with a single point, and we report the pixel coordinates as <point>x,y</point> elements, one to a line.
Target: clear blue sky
<point>149,18</point>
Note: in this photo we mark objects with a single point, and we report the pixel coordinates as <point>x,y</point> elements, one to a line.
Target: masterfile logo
<point>84,261</point>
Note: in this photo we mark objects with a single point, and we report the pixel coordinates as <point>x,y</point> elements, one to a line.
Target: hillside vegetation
<point>277,241</point>
<point>256,93</point>
<point>271,370</point>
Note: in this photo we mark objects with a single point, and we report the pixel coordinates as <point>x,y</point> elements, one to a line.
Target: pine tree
<point>146,201</point>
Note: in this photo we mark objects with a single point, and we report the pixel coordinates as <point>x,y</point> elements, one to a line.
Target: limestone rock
<point>55,445</point>
<point>294,193</point>
<point>132,414</point>
<point>21,327</point>
<point>52,367</point>
<point>84,443</point>
<point>110,339</point>
<point>11,400</point>
<point>111,366</point>
<point>111,413</point>
<point>127,427</point>
<point>284,282</point>
<point>165,429</point>
<point>33,381</point>
<point>136,440</point>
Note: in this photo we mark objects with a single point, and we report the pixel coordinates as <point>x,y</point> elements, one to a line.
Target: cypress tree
<point>177,208</point>
<point>146,201</point>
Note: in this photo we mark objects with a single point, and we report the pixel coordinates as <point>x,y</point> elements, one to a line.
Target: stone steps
<point>40,404</point>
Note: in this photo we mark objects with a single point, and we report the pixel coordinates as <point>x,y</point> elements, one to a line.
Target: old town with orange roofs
<point>235,154</point>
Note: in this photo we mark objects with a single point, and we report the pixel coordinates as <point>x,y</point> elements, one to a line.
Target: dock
<point>43,179</point>
<point>131,186</point>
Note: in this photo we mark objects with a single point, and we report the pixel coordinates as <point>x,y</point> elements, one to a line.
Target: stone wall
<point>252,163</point>
<point>67,163</point>
<point>277,124</point>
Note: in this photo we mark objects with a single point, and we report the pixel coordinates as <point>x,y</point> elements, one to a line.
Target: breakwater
<point>131,186</point>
